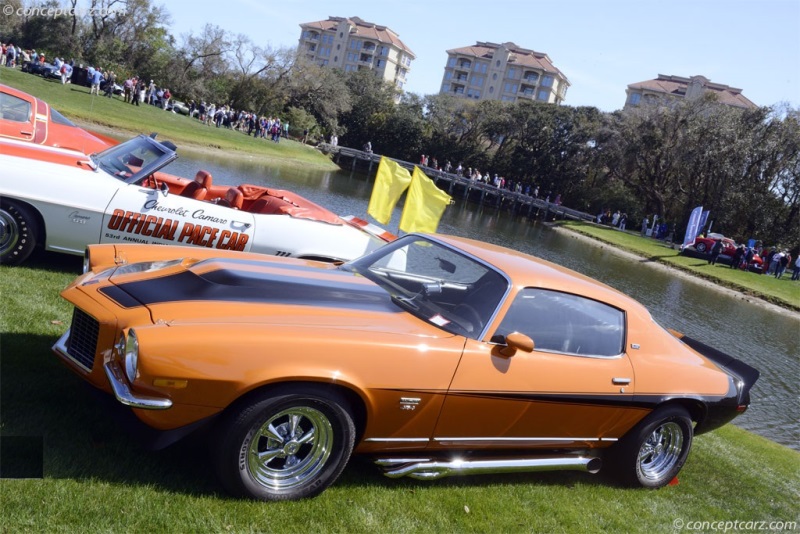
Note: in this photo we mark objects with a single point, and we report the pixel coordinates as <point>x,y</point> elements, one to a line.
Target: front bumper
<point>116,380</point>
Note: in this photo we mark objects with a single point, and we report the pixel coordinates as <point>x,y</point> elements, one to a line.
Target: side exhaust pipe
<point>431,469</point>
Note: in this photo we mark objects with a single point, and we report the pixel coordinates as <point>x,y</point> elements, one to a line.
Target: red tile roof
<point>519,56</point>
<point>362,29</point>
<point>677,86</point>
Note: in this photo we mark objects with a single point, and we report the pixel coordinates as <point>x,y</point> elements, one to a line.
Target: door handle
<point>617,381</point>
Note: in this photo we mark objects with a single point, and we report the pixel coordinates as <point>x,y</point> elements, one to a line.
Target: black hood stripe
<point>252,287</point>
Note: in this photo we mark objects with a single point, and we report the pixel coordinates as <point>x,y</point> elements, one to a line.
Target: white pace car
<point>63,200</point>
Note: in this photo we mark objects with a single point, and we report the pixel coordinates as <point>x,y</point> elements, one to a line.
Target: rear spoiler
<point>736,368</point>
<point>370,228</point>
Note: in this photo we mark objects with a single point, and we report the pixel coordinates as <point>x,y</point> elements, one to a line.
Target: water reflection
<point>762,337</point>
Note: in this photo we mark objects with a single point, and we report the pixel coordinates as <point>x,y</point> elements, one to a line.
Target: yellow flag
<point>425,204</point>
<point>390,182</point>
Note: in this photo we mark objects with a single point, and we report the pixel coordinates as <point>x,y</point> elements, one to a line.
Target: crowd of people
<point>618,219</point>
<point>12,56</point>
<point>240,120</point>
<point>517,186</point>
<point>136,90</point>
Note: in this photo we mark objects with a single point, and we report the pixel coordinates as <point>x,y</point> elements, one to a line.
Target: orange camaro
<point>435,355</point>
<point>26,118</point>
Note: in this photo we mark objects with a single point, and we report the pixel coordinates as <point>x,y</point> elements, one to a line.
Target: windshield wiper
<point>405,301</point>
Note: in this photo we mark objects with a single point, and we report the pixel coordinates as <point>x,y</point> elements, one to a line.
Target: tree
<point>199,64</point>
<point>260,79</point>
<point>51,35</point>
<point>372,102</point>
<point>322,92</point>
<point>404,131</point>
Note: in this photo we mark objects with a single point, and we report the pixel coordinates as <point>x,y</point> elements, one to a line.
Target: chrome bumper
<point>116,379</point>
<point>124,394</point>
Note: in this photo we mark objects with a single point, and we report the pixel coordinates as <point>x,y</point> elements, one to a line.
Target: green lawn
<point>97,479</point>
<point>125,120</point>
<point>783,292</point>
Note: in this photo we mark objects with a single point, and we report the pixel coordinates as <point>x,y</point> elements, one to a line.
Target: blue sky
<point>600,45</point>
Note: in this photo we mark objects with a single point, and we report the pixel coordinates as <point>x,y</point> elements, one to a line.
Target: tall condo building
<point>352,44</point>
<point>667,89</point>
<point>503,72</point>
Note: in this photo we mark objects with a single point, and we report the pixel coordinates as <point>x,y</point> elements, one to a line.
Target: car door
<point>574,388</point>
<point>139,214</point>
<point>20,119</point>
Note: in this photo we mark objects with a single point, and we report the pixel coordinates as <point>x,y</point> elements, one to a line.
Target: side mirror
<point>164,188</point>
<point>514,342</point>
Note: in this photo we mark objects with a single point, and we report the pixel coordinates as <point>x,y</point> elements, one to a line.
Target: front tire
<point>701,248</point>
<point>285,447</point>
<point>17,233</point>
<point>654,451</point>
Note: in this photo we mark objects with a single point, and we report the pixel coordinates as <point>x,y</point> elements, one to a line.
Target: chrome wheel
<point>660,452</point>
<point>653,452</point>
<point>290,448</point>
<point>290,443</point>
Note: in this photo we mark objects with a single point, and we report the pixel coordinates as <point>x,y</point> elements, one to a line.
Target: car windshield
<point>436,283</point>
<point>135,159</point>
<point>58,118</point>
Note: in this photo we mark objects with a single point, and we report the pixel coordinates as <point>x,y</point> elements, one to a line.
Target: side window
<point>14,109</point>
<point>567,323</point>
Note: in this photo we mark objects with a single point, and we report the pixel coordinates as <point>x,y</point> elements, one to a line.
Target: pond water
<point>765,338</point>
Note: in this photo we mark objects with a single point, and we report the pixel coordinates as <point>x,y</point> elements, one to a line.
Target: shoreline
<point>124,134</point>
<point>686,276</point>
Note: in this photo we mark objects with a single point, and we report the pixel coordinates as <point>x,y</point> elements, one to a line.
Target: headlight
<point>119,348</point>
<point>131,358</point>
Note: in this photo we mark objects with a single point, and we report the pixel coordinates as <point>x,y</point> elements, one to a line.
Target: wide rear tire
<point>654,451</point>
<point>285,447</point>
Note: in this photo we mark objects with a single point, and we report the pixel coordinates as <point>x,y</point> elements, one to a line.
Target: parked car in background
<point>26,118</point>
<point>63,200</point>
<point>176,106</point>
<point>704,243</point>
<point>434,355</point>
<point>46,70</point>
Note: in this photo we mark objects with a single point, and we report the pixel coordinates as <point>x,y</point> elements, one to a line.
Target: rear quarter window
<point>566,323</point>
<point>14,109</point>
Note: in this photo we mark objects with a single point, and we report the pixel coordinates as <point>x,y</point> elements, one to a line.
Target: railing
<point>471,187</point>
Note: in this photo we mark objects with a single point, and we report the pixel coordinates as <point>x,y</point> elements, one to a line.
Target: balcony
<point>530,78</point>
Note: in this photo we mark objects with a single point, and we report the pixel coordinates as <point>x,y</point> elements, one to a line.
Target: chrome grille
<point>82,343</point>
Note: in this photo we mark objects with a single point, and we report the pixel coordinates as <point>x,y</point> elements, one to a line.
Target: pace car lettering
<point>202,236</point>
<point>201,214</point>
<point>232,240</point>
<point>138,223</point>
<point>155,206</point>
<point>132,222</point>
